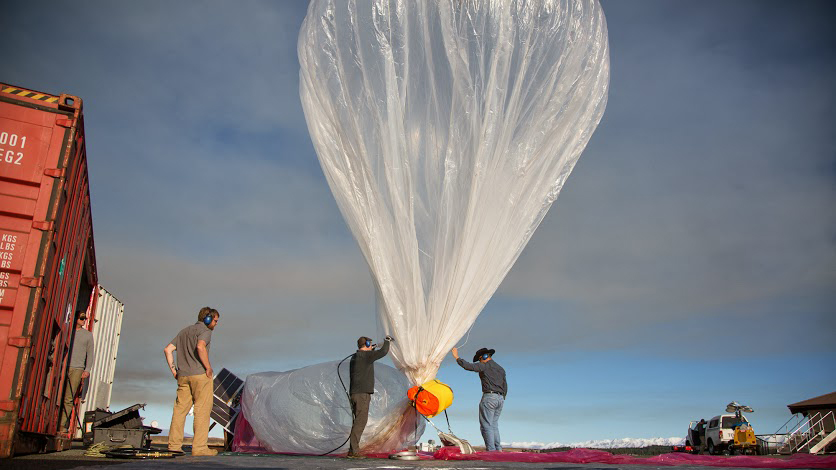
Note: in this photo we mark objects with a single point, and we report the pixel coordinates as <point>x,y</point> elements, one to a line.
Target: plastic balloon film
<point>446,129</point>
<point>306,411</point>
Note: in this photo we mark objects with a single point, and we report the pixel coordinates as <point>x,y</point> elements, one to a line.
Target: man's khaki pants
<point>192,390</point>
<point>70,390</point>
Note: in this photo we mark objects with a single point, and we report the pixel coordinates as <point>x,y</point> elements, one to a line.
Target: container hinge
<point>44,226</point>
<point>8,405</point>
<point>54,172</point>
<point>32,281</point>
<point>20,341</point>
<point>65,122</point>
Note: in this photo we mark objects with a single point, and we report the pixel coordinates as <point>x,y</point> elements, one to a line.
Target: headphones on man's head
<point>485,356</point>
<point>207,319</point>
<point>368,343</point>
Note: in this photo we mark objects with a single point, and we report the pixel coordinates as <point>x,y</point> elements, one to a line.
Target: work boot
<point>175,449</point>
<point>206,452</point>
<point>355,456</point>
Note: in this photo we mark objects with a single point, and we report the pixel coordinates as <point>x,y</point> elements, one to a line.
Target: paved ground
<point>307,463</point>
<point>75,459</point>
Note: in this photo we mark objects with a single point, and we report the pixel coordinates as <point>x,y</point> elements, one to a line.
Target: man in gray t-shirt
<point>81,361</point>
<point>194,381</point>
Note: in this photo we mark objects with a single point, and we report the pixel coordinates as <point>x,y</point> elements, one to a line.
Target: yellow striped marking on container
<point>25,93</point>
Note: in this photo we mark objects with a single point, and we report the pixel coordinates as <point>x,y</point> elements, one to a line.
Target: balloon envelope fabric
<point>445,130</point>
<point>306,411</point>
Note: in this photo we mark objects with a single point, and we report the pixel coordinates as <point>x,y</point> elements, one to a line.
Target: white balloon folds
<point>446,129</point>
<point>305,411</point>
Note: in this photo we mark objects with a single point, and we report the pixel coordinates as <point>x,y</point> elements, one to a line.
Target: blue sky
<point>689,261</point>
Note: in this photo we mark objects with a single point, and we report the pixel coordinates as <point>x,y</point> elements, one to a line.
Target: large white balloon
<point>446,129</point>
<point>306,411</point>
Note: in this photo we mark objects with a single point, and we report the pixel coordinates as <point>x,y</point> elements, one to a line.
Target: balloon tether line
<point>468,335</point>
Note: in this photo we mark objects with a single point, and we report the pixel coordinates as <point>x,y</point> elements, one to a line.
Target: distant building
<point>428,446</point>
<point>821,413</point>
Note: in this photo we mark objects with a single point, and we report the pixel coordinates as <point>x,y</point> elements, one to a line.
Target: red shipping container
<point>47,261</point>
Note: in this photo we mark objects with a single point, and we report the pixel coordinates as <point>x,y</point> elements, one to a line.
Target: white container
<point>106,333</point>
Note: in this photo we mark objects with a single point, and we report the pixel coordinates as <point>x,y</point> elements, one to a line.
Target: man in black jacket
<point>362,387</point>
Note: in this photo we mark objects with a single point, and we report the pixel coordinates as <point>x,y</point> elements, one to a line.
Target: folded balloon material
<point>306,411</point>
<point>431,398</point>
<point>445,130</point>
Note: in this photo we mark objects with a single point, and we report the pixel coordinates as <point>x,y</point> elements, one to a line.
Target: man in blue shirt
<point>494,391</point>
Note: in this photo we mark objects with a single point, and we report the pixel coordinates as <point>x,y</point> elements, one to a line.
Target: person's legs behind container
<point>70,390</point>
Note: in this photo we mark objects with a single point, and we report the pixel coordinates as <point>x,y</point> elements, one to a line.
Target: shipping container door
<point>47,259</point>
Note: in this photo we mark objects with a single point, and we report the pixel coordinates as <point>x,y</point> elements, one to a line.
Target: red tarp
<point>600,456</point>
<point>246,442</point>
<point>244,439</point>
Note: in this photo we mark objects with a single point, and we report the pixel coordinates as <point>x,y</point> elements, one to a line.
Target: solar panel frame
<point>227,389</point>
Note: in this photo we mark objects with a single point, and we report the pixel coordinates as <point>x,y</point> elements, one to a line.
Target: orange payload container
<point>431,398</point>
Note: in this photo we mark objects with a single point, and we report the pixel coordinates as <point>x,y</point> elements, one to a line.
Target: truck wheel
<point>711,448</point>
<point>731,451</point>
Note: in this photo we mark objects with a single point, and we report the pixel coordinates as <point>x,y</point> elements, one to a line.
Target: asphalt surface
<point>75,459</point>
<point>308,463</point>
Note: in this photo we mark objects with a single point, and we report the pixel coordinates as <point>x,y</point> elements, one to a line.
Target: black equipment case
<point>123,428</point>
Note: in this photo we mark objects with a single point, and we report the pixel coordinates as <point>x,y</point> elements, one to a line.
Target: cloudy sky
<point>689,261</point>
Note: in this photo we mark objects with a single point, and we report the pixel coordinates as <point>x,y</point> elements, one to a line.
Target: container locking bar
<point>8,405</point>
<point>33,282</point>
<point>20,341</point>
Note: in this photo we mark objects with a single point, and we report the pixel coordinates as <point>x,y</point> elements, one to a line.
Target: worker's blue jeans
<point>489,409</point>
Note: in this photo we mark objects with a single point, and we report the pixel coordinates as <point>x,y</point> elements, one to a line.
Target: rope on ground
<point>139,453</point>
<point>99,449</point>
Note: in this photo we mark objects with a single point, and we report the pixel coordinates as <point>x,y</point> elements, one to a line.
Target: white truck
<point>720,433</point>
<point>727,433</point>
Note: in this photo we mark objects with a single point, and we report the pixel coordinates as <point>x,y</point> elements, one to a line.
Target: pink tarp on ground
<point>245,441</point>
<point>600,456</point>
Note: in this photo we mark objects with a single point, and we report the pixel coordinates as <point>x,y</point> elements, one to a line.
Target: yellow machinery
<point>745,441</point>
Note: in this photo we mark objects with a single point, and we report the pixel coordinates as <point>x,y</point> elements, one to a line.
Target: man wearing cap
<point>81,361</point>
<point>194,381</point>
<point>494,391</point>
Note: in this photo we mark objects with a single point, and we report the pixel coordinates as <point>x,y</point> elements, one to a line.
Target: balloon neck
<point>396,432</point>
<point>422,373</point>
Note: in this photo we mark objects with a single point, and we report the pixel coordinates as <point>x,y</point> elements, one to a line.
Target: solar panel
<point>225,406</point>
